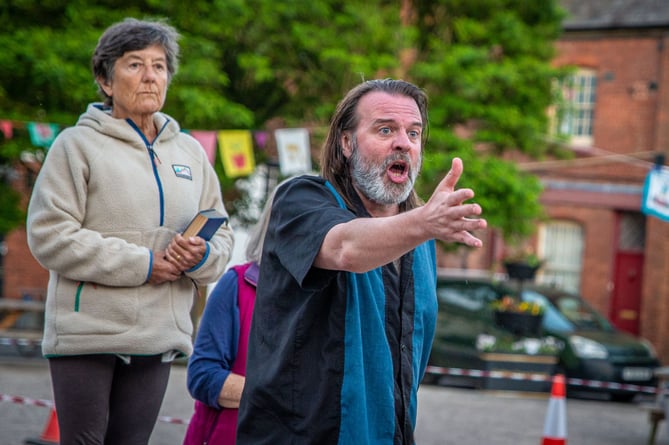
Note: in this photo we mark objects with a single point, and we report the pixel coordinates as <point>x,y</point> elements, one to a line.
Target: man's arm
<point>363,244</point>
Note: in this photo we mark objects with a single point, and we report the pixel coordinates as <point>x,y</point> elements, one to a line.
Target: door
<point>628,273</point>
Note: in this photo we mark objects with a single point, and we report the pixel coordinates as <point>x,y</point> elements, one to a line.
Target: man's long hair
<point>334,165</point>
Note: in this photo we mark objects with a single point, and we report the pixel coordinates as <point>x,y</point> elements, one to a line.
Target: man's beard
<point>369,178</point>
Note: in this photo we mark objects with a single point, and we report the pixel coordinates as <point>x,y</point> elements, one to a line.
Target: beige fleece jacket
<point>100,208</point>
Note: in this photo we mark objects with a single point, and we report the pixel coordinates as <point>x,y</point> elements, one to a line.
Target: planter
<point>520,270</point>
<point>520,324</point>
<point>518,372</point>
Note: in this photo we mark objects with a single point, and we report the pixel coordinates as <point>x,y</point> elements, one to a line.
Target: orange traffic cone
<point>51,433</point>
<point>555,424</point>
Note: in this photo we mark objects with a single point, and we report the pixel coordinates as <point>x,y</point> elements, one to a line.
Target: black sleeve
<point>303,212</point>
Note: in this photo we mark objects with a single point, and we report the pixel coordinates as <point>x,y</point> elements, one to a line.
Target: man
<point>346,304</point>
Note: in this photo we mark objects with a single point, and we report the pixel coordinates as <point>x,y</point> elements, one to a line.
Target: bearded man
<point>346,301</point>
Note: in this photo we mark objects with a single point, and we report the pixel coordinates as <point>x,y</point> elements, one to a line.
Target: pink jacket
<point>210,426</point>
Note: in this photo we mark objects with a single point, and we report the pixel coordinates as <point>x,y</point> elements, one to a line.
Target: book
<point>205,224</point>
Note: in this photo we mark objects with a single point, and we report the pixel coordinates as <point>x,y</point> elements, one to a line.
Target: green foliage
<point>484,63</point>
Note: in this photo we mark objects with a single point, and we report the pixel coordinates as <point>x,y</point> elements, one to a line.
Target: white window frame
<point>560,245</point>
<point>575,115</point>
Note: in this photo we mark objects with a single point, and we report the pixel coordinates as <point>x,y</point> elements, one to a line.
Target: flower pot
<point>520,324</point>
<point>520,270</point>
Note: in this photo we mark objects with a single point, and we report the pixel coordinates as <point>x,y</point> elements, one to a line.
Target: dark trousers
<point>100,400</point>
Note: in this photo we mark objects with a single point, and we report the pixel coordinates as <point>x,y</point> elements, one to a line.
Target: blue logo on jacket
<point>182,171</point>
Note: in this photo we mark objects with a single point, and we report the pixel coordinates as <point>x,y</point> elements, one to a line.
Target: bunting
<point>655,199</point>
<point>41,134</point>
<point>208,141</point>
<point>260,138</point>
<point>236,148</point>
<point>294,152</point>
<point>6,128</point>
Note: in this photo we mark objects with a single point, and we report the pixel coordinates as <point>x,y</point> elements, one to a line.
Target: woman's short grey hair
<point>133,35</point>
<point>256,240</point>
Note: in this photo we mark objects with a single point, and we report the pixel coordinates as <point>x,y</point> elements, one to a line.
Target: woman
<point>217,368</point>
<point>105,215</point>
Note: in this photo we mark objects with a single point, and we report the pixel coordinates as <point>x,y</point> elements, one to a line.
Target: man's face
<point>385,150</point>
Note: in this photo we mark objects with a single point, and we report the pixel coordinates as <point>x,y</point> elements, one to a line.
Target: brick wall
<point>22,273</point>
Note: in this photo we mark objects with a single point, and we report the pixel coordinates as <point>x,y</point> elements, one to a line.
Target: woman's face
<point>139,85</point>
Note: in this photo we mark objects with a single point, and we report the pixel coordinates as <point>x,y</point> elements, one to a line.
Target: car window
<point>567,312</point>
<point>553,319</point>
<point>469,296</point>
<point>579,313</point>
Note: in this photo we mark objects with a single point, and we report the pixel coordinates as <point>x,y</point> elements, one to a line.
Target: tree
<point>484,63</point>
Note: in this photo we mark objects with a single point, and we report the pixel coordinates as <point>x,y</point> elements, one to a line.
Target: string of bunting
<point>235,147</point>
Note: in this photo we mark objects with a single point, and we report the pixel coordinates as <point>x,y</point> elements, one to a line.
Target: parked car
<point>591,348</point>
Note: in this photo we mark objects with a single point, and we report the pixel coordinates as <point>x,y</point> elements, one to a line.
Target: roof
<point>615,14</point>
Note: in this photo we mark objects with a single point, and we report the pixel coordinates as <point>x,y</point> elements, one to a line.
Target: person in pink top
<point>217,368</point>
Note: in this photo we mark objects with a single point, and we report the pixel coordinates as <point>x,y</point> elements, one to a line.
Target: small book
<point>205,224</point>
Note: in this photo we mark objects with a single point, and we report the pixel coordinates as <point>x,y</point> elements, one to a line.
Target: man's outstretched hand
<point>448,217</point>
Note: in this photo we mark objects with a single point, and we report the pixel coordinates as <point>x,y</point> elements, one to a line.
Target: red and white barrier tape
<point>49,404</point>
<point>517,375</point>
<point>173,420</point>
<point>26,401</point>
<point>513,375</point>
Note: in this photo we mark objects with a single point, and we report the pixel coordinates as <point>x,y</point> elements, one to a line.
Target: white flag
<point>656,193</point>
<point>294,150</point>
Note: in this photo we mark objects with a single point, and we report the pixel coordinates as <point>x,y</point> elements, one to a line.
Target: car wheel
<point>429,379</point>
<point>30,350</point>
<point>622,397</point>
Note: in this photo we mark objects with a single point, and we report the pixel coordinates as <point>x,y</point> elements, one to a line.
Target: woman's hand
<point>163,270</point>
<point>185,253</point>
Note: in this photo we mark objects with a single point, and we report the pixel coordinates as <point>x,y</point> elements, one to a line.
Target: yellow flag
<point>236,148</point>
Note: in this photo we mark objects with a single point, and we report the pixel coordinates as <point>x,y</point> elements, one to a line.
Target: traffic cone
<point>555,424</point>
<point>51,433</point>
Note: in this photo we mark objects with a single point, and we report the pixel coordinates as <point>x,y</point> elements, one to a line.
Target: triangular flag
<point>655,199</point>
<point>260,138</point>
<point>6,128</point>
<point>236,149</point>
<point>208,141</point>
<point>294,152</point>
<point>42,135</point>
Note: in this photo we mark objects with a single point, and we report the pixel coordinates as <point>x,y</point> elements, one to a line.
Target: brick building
<point>615,108</point>
<point>596,241</point>
<point>617,113</point>
<point>21,275</point>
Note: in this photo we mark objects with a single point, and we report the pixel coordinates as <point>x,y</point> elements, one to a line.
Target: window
<point>632,232</point>
<point>561,248</point>
<point>575,114</point>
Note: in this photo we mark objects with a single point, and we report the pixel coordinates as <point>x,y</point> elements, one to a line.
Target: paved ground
<point>447,415</point>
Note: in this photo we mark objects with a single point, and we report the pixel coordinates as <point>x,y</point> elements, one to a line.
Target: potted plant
<point>522,263</point>
<point>521,318</point>
<point>504,359</point>
<point>489,344</point>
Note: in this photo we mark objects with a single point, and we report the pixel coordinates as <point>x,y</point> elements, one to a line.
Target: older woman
<point>105,215</point>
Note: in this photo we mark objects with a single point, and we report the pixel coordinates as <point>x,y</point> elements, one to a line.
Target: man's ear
<point>346,144</point>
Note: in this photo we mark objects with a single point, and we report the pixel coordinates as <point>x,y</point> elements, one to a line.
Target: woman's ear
<point>105,85</point>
